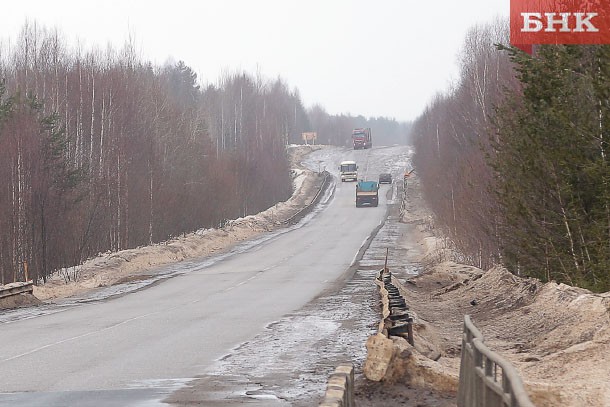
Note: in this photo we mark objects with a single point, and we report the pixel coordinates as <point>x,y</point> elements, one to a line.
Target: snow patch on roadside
<point>130,265</point>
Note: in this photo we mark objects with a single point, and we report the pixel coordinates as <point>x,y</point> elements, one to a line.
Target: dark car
<point>385,178</point>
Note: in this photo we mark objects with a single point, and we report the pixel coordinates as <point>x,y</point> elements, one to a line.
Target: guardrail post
<point>410,332</point>
<point>489,367</point>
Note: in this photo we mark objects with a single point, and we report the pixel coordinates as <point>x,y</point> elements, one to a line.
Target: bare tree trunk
<point>568,230</point>
<point>604,163</point>
<point>102,128</point>
<point>56,68</point>
<point>92,130</point>
<point>152,215</point>
<point>118,206</point>
<point>454,214</point>
<point>21,215</point>
<point>66,113</point>
<point>80,142</point>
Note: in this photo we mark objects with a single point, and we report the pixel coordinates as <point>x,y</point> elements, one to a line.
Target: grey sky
<point>384,58</point>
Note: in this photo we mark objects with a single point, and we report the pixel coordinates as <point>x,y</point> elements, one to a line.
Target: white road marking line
<point>243,282</point>
<point>79,336</point>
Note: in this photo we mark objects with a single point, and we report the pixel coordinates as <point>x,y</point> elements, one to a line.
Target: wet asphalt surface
<point>290,362</point>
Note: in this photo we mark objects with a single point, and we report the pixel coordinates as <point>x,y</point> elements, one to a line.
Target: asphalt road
<point>137,348</point>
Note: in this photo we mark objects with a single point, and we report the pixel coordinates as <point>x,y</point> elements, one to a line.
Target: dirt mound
<point>17,301</point>
<point>557,336</point>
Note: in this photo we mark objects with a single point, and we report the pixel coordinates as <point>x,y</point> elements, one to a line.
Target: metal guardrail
<point>16,288</point>
<point>487,379</point>
<point>399,321</point>
<point>297,216</point>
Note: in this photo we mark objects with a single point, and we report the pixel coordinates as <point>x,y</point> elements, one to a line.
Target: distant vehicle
<point>349,171</point>
<point>367,193</point>
<point>385,178</point>
<point>362,138</point>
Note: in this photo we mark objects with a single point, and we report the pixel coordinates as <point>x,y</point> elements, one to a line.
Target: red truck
<point>362,138</point>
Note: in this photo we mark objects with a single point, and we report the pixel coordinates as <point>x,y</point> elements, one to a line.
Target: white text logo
<point>558,22</point>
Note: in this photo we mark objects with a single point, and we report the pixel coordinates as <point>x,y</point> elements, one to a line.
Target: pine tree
<point>552,169</point>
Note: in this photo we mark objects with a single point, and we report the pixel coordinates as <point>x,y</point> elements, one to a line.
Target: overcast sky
<point>375,58</point>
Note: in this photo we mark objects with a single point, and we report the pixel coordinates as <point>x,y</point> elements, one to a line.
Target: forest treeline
<point>514,158</point>
<point>337,129</point>
<point>102,151</point>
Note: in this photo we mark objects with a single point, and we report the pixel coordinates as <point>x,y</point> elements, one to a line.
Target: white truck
<point>348,170</point>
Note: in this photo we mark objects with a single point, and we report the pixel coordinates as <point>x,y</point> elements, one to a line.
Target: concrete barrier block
<point>347,371</point>
<point>337,381</point>
<point>336,396</point>
<point>340,388</point>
